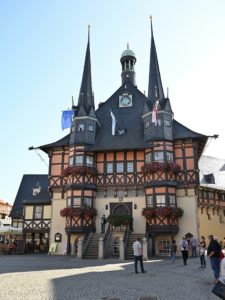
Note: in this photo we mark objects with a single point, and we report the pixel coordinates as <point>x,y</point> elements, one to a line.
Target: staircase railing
<point>125,240</point>
<point>106,241</point>
<point>86,242</point>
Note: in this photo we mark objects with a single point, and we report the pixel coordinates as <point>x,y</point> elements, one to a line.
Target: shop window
<point>163,246</point>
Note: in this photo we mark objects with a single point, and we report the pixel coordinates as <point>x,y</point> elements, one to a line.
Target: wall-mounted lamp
<point>135,206</point>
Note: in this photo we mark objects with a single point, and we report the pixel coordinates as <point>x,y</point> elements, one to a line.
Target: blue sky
<point>42,53</point>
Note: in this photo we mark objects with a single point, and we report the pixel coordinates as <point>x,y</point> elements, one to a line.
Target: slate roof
<point>130,119</point>
<point>25,193</point>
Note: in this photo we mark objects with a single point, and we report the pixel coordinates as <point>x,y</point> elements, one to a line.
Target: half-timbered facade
<point>129,160</point>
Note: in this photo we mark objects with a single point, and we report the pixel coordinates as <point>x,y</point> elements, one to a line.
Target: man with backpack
<point>213,253</point>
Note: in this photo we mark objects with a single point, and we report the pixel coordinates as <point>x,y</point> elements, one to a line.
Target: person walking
<point>193,247</point>
<point>173,251</point>
<point>137,248</point>
<point>184,250</point>
<point>202,246</point>
<point>213,253</point>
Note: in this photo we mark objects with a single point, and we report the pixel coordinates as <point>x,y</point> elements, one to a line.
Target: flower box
<point>160,166</point>
<point>73,170</point>
<point>166,211</point>
<point>78,211</point>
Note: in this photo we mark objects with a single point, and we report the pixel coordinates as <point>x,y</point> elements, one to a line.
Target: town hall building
<point>128,160</point>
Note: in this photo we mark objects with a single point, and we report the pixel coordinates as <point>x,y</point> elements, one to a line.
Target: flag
<point>67,118</point>
<point>113,122</point>
<point>154,112</point>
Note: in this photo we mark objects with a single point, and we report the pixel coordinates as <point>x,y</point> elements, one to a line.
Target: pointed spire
<point>155,83</point>
<point>86,98</point>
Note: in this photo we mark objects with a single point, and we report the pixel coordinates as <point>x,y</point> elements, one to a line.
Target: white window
<point>89,160</point>
<point>79,159</point>
<point>160,200</point>
<point>172,200</point>
<point>109,167</point>
<point>69,202</point>
<point>158,156</point>
<point>130,167</point>
<point>87,201</point>
<point>90,127</point>
<point>148,157</point>
<point>167,123</point>
<point>37,212</point>
<point>71,161</point>
<point>159,122</point>
<point>150,201</point>
<point>169,156</point>
<point>76,202</point>
<point>119,167</point>
<point>147,124</point>
<point>80,127</point>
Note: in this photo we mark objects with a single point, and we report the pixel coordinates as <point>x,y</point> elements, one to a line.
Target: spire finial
<point>151,24</point>
<point>127,46</point>
<point>167,92</point>
<point>89,32</point>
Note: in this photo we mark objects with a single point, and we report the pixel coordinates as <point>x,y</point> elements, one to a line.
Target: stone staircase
<point>129,254</point>
<point>92,248</point>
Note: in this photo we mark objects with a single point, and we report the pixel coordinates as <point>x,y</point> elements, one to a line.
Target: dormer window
<point>90,127</point>
<point>80,127</point>
<point>36,190</point>
<point>210,179</point>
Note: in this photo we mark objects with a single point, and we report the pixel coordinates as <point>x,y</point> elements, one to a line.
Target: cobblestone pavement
<point>45,277</point>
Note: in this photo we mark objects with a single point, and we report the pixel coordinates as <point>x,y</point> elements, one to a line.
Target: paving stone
<point>44,277</point>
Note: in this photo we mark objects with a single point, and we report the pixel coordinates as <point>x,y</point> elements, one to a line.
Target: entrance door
<point>122,215</point>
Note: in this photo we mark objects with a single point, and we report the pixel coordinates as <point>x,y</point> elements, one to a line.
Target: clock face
<point>125,100</point>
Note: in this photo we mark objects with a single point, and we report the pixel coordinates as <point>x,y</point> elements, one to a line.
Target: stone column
<point>100,249</point>
<point>79,248</point>
<point>145,249</point>
<point>121,249</point>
